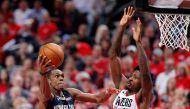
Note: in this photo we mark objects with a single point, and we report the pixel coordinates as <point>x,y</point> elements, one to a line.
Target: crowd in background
<point>83,27</point>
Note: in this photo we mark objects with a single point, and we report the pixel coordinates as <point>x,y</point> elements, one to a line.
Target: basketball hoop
<point>173,29</point>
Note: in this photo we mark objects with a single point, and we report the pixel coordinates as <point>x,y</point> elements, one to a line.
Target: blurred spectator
<point>4,82</point>
<point>102,34</point>
<point>33,95</point>
<point>124,45</point>
<point>47,30</point>
<point>5,34</point>
<point>181,56</point>
<point>5,37</point>
<point>100,65</point>
<point>70,69</point>
<point>127,65</point>
<point>157,64</point>
<point>84,49</point>
<point>14,93</point>
<point>80,65</point>
<point>146,45</point>
<point>6,11</point>
<point>132,52</point>
<point>156,43</point>
<point>150,34</point>
<point>22,13</point>
<point>162,79</point>
<point>85,84</point>
<point>38,12</point>
<point>10,65</point>
<point>71,18</point>
<point>105,44</point>
<point>21,103</point>
<point>57,14</point>
<point>83,34</point>
<point>182,76</point>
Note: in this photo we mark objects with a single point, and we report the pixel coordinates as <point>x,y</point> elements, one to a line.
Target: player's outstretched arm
<point>94,98</point>
<point>115,49</point>
<point>45,92</point>
<point>146,82</point>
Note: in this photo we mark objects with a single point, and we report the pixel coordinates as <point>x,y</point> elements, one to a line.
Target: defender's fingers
<point>124,12</point>
<point>128,10</point>
<point>133,12</point>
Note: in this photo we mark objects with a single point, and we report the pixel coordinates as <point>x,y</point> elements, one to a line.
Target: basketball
<point>53,52</point>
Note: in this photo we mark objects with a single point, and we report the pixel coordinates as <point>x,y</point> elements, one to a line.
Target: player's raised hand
<point>127,16</point>
<point>45,64</point>
<point>137,31</point>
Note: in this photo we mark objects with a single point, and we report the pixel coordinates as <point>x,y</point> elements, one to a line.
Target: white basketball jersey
<point>123,101</point>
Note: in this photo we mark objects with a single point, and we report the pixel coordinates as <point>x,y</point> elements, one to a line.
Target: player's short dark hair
<point>48,74</point>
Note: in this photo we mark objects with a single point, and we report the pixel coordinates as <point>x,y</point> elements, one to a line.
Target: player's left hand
<point>137,31</point>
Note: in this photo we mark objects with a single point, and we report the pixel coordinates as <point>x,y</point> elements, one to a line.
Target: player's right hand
<point>45,64</point>
<point>127,16</point>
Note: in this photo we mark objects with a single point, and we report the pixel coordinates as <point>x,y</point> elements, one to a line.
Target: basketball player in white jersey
<point>138,89</point>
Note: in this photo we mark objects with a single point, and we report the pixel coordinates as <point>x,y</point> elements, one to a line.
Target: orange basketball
<point>53,52</point>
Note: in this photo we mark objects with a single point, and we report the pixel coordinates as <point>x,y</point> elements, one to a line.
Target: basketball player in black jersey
<point>139,83</point>
<point>55,96</point>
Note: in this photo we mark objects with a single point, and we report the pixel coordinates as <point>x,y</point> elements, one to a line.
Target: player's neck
<point>56,92</point>
<point>131,92</point>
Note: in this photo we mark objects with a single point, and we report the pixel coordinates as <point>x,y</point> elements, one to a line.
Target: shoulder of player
<point>73,91</point>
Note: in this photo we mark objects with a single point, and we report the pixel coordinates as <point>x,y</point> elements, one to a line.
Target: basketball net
<point>173,29</point>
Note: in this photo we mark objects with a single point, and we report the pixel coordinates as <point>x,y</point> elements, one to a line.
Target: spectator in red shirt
<point>47,30</point>
<point>4,82</point>
<point>6,11</point>
<point>127,65</point>
<point>181,55</point>
<point>146,46</point>
<point>70,69</point>
<point>182,76</point>
<point>132,51</point>
<point>100,65</point>
<point>5,34</point>
<point>157,64</point>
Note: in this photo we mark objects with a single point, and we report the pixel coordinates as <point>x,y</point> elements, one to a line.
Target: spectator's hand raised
<point>45,64</point>
<point>127,16</point>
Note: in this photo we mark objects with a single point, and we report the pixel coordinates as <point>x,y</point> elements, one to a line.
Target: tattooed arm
<point>146,82</point>
<point>115,49</point>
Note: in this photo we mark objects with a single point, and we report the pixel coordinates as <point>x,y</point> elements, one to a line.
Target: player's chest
<point>122,101</point>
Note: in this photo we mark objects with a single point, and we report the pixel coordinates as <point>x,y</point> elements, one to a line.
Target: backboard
<point>164,6</point>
